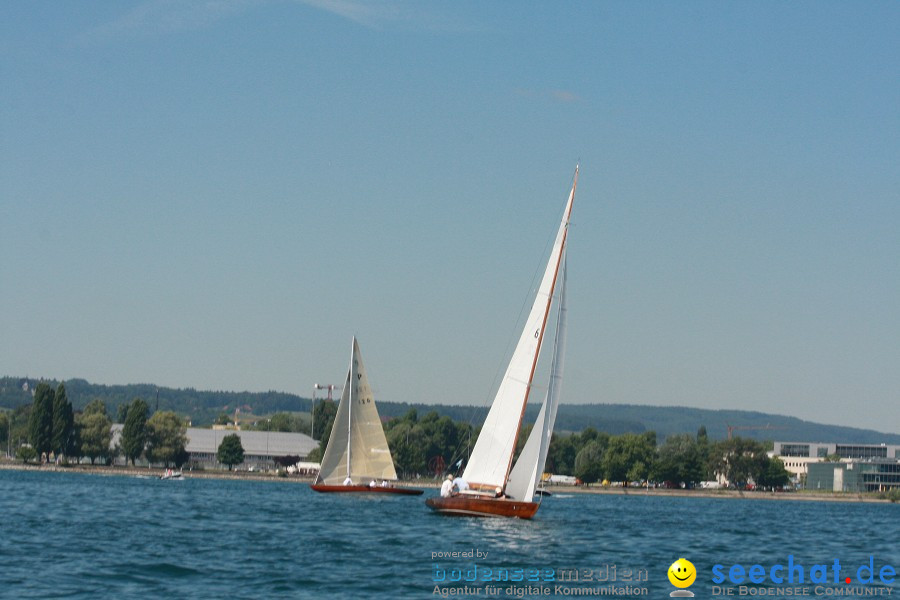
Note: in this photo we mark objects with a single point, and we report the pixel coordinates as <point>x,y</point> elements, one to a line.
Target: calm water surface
<point>89,536</point>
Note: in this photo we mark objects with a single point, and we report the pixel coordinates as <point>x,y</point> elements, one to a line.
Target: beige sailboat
<point>357,457</point>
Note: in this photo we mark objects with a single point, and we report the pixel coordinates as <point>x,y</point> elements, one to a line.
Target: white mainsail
<point>357,447</point>
<point>530,465</point>
<point>491,459</point>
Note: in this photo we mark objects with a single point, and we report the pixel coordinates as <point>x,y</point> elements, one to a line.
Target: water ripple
<point>69,535</point>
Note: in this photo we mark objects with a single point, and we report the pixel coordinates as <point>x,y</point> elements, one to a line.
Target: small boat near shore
<point>171,474</point>
<point>357,458</point>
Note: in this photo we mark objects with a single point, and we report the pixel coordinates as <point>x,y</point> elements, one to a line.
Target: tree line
<point>51,428</point>
<point>433,445</point>
<point>427,446</point>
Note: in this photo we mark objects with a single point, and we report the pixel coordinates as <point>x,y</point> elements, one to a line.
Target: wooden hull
<point>364,489</point>
<point>469,506</point>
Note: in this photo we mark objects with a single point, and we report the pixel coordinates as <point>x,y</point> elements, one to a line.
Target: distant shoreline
<point>808,496</point>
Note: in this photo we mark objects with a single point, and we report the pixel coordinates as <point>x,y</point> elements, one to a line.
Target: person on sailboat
<point>447,487</point>
<point>460,485</point>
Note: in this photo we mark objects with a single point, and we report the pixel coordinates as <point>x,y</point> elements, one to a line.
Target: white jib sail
<point>357,446</point>
<point>530,466</point>
<point>491,457</point>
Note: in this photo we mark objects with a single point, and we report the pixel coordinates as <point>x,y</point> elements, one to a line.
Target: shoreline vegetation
<point>272,476</point>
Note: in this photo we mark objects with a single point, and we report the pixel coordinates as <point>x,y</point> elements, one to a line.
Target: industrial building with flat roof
<point>261,448</point>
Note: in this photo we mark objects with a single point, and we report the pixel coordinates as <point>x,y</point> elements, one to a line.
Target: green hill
<point>202,407</point>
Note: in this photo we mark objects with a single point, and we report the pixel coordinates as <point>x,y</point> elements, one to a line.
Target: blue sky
<point>220,194</point>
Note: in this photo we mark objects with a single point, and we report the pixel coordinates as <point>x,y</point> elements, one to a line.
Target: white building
<point>797,456</point>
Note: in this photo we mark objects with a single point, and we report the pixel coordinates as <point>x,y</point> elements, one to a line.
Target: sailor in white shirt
<point>447,486</point>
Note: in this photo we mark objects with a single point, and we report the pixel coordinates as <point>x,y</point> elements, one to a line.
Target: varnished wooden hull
<point>469,506</point>
<point>364,489</point>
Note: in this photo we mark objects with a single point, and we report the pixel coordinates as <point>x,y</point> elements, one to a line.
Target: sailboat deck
<point>365,489</point>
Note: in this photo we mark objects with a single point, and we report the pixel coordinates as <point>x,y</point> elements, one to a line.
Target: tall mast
<point>537,352</point>
<point>350,405</point>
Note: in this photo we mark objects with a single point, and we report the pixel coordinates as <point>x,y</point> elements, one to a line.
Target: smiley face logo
<point>682,573</point>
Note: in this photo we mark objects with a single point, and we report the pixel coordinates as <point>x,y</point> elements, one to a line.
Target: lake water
<point>70,535</point>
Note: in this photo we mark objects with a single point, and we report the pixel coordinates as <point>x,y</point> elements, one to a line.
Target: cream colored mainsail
<point>491,459</point>
<point>357,447</point>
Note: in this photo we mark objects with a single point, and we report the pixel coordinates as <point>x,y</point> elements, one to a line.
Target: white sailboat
<point>357,457</point>
<point>496,488</point>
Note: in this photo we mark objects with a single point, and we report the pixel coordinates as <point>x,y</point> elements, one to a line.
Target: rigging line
<point>516,330</point>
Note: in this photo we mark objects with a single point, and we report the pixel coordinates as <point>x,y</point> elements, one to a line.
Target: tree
<point>703,450</point>
<point>63,428</point>
<point>588,462</point>
<point>5,427</point>
<point>625,452</point>
<point>638,471</point>
<point>26,453</point>
<point>431,444</point>
<point>231,451</point>
<point>406,441</point>
<point>561,454</point>
<point>40,423</point>
<point>95,433</point>
<point>679,461</point>
<point>281,422</point>
<point>323,419</point>
<point>134,432</point>
<point>774,475</point>
<point>18,426</point>
<point>95,406</point>
<point>739,460</point>
<point>166,437</point>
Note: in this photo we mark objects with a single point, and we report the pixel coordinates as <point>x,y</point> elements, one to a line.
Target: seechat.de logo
<point>795,572</point>
<point>682,574</point>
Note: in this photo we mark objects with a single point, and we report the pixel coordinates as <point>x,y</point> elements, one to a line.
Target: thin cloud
<point>159,17</point>
<point>163,17</point>
<point>402,14</point>
<point>368,14</point>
